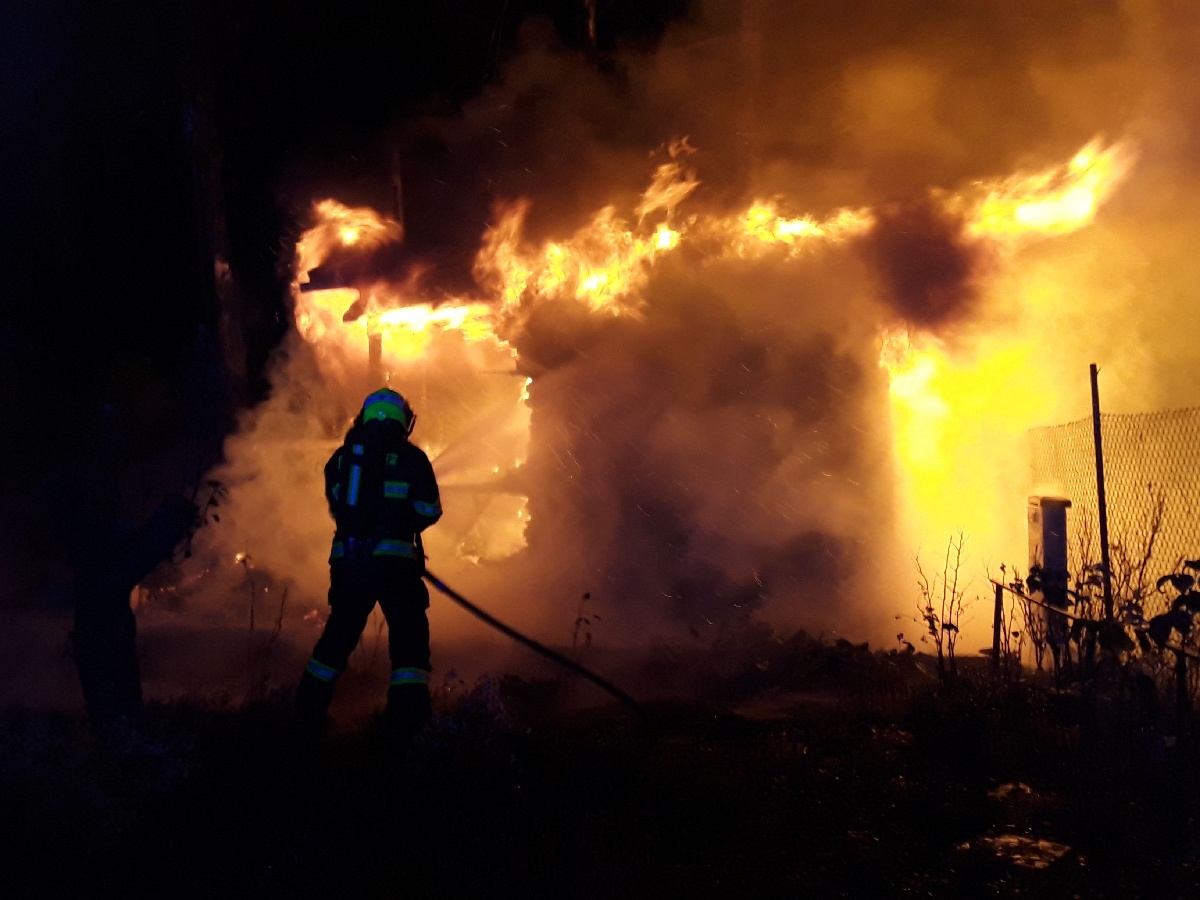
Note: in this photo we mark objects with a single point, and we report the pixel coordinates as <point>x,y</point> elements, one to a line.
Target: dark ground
<point>858,786</point>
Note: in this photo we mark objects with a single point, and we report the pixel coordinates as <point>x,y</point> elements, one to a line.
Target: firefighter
<point>382,494</point>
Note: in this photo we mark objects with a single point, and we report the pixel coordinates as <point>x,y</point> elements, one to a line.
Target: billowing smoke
<point>928,270</point>
<point>728,453</point>
<point>709,458</point>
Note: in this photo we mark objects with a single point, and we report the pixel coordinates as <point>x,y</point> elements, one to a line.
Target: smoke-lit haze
<point>731,448</point>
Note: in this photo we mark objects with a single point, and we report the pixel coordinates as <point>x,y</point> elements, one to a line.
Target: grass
<point>858,789</point>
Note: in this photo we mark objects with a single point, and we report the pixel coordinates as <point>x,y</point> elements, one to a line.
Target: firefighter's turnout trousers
<point>359,580</point>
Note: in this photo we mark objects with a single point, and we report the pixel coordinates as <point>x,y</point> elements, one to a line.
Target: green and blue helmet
<point>387,404</point>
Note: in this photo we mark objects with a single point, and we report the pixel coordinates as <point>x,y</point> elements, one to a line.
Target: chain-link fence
<point>1152,483</point>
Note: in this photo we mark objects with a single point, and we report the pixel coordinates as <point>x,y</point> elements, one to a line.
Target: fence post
<point>1101,499</point>
<point>997,627</point>
<point>1182,702</point>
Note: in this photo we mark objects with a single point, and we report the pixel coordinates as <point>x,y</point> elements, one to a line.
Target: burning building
<point>755,384</point>
<point>711,455</point>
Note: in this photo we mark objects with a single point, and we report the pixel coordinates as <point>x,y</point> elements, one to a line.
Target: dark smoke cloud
<point>928,270</point>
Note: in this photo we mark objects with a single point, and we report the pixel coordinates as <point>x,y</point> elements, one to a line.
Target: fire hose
<point>605,685</point>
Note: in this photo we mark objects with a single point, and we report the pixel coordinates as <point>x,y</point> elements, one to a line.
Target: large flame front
<point>949,402</point>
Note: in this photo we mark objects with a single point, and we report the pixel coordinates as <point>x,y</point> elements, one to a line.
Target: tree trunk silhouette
<point>109,559</point>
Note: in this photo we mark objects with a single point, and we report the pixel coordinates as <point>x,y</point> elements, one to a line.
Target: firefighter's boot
<point>313,696</point>
<point>408,710</point>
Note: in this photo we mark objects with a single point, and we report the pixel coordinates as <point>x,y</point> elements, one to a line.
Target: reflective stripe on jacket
<point>380,488</point>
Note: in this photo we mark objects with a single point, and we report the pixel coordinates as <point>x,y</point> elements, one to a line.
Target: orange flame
<point>672,183</point>
<point>405,329</point>
<point>1056,201</point>
<point>762,230</point>
<point>958,416</point>
<point>405,323</point>
<point>606,263</point>
<point>338,226</point>
<point>603,265</point>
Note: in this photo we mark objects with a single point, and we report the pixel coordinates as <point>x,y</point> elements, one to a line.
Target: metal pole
<point>997,627</point>
<point>1101,498</point>
<point>1182,700</point>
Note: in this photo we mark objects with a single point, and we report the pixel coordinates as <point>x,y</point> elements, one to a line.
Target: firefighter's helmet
<point>386,404</point>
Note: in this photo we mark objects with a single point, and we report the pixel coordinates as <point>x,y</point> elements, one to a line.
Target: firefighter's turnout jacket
<point>382,493</point>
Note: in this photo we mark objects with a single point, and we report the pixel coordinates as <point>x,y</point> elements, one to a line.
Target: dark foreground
<point>979,791</point>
